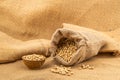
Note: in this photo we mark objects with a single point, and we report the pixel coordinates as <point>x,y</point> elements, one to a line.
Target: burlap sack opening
<point>88,41</point>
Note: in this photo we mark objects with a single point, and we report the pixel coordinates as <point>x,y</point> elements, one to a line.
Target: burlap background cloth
<point>19,17</point>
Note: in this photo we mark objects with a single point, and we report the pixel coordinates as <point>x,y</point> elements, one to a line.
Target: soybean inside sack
<point>89,42</point>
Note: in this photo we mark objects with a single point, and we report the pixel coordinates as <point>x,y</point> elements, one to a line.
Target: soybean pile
<point>34,57</point>
<point>66,48</point>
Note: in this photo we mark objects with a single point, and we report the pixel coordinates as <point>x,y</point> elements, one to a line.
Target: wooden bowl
<point>32,64</point>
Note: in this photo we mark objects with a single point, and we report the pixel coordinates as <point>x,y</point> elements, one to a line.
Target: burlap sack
<point>12,49</point>
<point>89,42</point>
